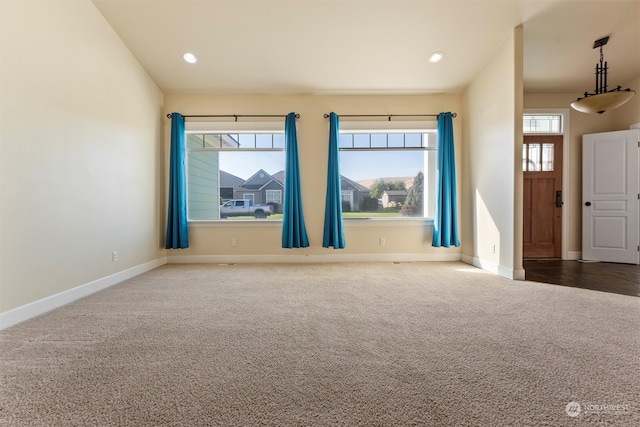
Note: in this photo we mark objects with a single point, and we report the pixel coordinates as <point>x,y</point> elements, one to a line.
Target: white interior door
<point>611,197</point>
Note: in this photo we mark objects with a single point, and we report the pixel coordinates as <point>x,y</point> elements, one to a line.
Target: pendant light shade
<point>602,100</point>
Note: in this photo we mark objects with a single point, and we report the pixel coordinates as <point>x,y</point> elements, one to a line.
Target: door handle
<point>588,204</point>
<point>558,199</point>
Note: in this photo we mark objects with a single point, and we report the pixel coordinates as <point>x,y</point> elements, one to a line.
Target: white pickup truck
<point>244,207</point>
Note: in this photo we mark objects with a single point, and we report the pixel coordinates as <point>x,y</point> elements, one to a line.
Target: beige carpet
<point>433,344</point>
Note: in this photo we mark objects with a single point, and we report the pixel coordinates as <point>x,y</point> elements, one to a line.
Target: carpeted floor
<point>433,344</point>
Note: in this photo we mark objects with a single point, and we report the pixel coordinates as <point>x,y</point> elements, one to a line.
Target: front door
<point>542,192</point>
<point>610,197</point>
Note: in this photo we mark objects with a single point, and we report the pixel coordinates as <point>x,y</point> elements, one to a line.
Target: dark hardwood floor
<point>599,276</point>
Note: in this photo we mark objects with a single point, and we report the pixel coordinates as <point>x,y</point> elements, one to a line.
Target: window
<point>241,165</point>
<point>537,157</point>
<point>542,123</point>
<point>249,197</point>
<point>346,197</point>
<point>274,196</point>
<point>387,173</point>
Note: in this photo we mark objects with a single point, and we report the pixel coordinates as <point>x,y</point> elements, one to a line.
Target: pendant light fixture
<point>602,100</point>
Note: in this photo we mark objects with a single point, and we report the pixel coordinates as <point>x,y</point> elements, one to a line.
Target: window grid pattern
<point>236,141</point>
<point>274,196</point>
<point>538,157</point>
<point>383,141</point>
<point>542,124</point>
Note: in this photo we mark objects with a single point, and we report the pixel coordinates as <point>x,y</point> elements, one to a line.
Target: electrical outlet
<point>234,242</point>
<point>382,241</point>
<point>114,256</point>
<point>493,249</point>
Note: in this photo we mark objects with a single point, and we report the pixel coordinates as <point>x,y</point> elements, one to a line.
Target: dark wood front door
<point>542,196</point>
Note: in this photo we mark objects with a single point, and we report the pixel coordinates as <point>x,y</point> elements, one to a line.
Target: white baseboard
<point>492,267</point>
<point>334,258</point>
<point>574,255</point>
<point>36,308</point>
<point>515,273</point>
<point>489,266</point>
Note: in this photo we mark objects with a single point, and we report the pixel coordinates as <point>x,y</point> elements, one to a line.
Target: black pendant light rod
<point>326,116</point>
<point>602,68</point>
<point>601,75</point>
<point>234,116</point>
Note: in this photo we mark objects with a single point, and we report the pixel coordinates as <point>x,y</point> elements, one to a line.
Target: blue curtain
<point>294,233</point>
<point>445,225</point>
<point>177,237</point>
<point>333,232</point>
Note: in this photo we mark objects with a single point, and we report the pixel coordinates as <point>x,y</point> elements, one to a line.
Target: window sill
<point>388,222</point>
<point>348,222</point>
<point>235,223</point>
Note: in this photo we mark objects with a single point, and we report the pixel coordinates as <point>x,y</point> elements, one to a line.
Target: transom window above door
<point>542,124</point>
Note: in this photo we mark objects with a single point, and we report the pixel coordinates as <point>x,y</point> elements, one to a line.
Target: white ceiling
<point>371,46</point>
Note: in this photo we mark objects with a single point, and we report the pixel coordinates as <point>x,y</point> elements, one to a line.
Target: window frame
<point>389,127</point>
<point>531,117</point>
<point>223,127</point>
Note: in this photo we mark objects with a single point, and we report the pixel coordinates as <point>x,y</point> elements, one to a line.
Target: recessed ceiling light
<point>190,58</point>
<point>436,56</point>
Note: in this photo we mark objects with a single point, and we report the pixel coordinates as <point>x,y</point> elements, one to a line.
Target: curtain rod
<point>326,116</point>
<point>235,116</point>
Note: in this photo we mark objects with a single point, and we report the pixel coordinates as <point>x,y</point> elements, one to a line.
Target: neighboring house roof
<point>260,180</point>
<point>257,180</point>
<point>229,180</point>
<point>279,176</point>
<point>275,181</point>
<point>354,184</point>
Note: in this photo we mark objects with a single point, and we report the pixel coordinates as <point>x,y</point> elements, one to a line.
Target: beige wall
<point>581,124</point>
<point>406,240</point>
<point>492,188</point>
<point>81,136</point>
<point>629,113</point>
